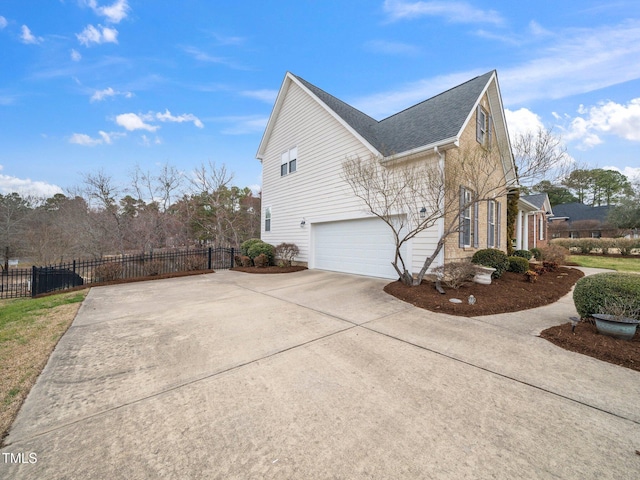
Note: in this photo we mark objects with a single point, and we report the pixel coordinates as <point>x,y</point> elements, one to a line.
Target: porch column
<point>525,235</point>
<point>519,230</point>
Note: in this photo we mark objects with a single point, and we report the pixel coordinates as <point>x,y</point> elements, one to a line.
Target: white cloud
<point>605,118</point>
<point>632,173</point>
<point>522,121</point>
<point>265,95</point>
<point>3,22</point>
<point>100,95</point>
<point>391,48</point>
<point>576,61</point>
<point>75,55</point>
<point>98,35</point>
<point>28,37</point>
<point>146,141</point>
<point>186,117</point>
<point>87,141</point>
<point>26,186</point>
<point>114,13</point>
<point>131,122</point>
<point>452,11</point>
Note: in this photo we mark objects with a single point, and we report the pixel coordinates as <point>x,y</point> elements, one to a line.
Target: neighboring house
<point>577,220</point>
<point>532,226</point>
<point>306,201</point>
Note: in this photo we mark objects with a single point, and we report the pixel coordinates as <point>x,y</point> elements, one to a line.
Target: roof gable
<point>433,122</point>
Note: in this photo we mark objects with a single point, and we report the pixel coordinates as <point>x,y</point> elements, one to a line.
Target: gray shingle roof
<point>428,122</point>
<point>580,211</point>
<point>536,199</point>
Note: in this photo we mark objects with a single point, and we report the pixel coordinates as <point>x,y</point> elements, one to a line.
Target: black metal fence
<point>25,282</point>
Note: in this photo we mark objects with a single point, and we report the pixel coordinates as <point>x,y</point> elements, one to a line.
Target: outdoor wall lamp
<point>423,212</point>
<point>303,223</point>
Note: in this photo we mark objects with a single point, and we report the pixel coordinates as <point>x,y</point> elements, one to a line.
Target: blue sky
<point>110,84</point>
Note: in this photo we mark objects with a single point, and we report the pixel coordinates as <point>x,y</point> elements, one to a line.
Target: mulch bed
<point>588,341</point>
<point>509,293</point>
<point>271,269</point>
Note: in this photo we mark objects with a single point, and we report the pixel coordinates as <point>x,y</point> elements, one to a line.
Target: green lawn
<point>29,330</point>
<point>612,263</point>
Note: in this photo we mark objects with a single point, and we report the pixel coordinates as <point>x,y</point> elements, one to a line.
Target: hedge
<point>624,246</point>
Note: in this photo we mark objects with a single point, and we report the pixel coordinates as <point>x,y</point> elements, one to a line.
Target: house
<point>532,226</point>
<point>577,220</point>
<point>306,200</point>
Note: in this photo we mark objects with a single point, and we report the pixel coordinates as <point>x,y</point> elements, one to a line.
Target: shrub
<point>286,252</point>
<point>261,261</point>
<point>549,266</point>
<point>261,247</point>
<point>237,260</point>
<point>537,253</point>
<point>456,274</point>
<point>531,276</point>
<point>243,261</point>
<point>195,262</point>
<point>523,254</point>
<point>555,253</point>
<point>518,264</point>
<point>153,267</point>
<point>108,272</point>
<point>491,257</point>
<point>246,245</point>
<point>594,293</point>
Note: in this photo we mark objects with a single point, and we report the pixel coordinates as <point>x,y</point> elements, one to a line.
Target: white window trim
<point>267,219</point>
<point>491,223</point>
<point>287,159</point>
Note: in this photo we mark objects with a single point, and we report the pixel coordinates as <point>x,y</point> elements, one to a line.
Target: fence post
<point>232,256</point>
<point>209,263</point>
<point>33,281</point>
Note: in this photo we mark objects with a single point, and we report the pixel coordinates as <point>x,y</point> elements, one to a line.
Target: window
<point>483,126</point>
<point>267,219</point>
<point>491,224</point>
<point>289,161</point>
<point>468,219</point>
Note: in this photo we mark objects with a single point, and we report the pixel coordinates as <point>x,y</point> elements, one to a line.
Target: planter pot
<point>483,275</point>
<point>617,327</point>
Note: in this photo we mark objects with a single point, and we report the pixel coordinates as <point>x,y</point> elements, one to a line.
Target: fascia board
<point>274,114</point>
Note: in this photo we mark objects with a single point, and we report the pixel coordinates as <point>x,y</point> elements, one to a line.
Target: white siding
<point>316,191</point>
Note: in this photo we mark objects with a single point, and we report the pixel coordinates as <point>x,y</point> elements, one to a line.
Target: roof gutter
<point>441,145</point>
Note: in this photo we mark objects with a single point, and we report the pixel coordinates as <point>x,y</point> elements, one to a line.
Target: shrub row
<point>263,254</point>
<point>623,246</point>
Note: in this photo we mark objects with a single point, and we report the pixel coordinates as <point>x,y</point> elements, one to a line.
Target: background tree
<point>557,194</point>
<point>14,213</point>
<point>626,215</point>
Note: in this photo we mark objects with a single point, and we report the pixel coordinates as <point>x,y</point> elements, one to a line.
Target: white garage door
<point>363,247</point>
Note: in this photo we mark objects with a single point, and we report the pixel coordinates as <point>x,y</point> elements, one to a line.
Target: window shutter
<point>489,243</point>
<point>479,125</point>
<point>498,224</point>
<point>461,229</point>
<point>475,225</point>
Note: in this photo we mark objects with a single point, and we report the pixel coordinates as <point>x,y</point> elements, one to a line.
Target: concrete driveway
<point>316,375</point>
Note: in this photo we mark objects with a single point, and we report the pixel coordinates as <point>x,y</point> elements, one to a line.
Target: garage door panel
<point>364,247</point>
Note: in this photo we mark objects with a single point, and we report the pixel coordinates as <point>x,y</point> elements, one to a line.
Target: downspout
<point>441,156</point>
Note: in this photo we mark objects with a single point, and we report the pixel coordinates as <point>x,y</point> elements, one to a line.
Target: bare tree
<point>411,196</point>
<point>539,155</point>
